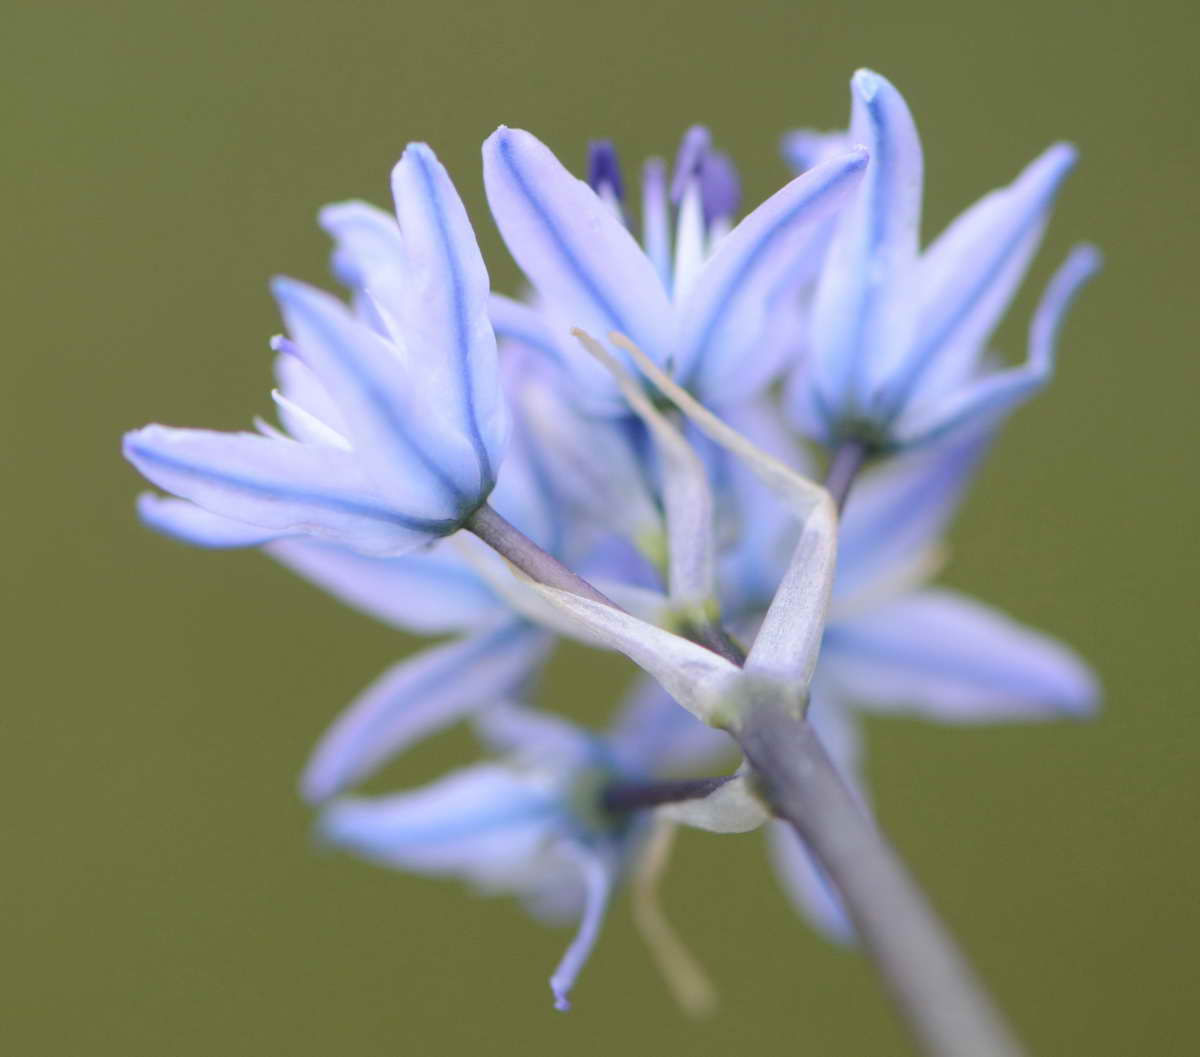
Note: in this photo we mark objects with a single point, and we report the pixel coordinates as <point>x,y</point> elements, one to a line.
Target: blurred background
<point>161,893</point>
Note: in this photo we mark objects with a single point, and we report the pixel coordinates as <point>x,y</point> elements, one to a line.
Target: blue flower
<point>703,308</point>
<point>530,823</point>
<point>396,419</point>
<point>494,652</point>
<point>898,336</point>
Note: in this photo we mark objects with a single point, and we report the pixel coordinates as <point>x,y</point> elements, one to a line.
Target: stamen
<point>604,170</point>
<point>687,497</point>
<point>720,188</point>
<point>806,494</point>
<point>686,980</point>
<point>693,150</point>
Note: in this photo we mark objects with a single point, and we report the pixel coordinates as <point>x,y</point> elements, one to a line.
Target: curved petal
<point>277,484</point>
<point>446,297</point>
<point>586,266</point>
<point>723,318</point>
<point>515,321</point>
<point>864,313</point>
<point>302,388</point>
<point>416,697</point>
<point>969,275</point>
<point>428,593</point>
<point>986,400</point>
<point>192,524</point>
<point>599,877</point>
<point>592,463</point>
<point>811,892</point>
<point>478,823</point>
<point>897,513</point>
<point>368,255</point>
<point>942,655</point>
<point>535,737</point>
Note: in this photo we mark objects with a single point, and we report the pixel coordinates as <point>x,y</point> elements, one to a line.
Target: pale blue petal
<point>479,822</point>
<point>305,427</point>
<point>192,524</point>
<point>587,268</point>
<point>723,319</point>
<point>655,735</point>
<point>864,313</point>
<point>447,329</point>
<point>515,321</point>
<point>896,513</point>
<point>810,891</point>
<point>278,484</point>
<point>303,388</point>
<point>805,147</point>
<point>536,737</point>
<point>599,876</point>
<point>593,466</point>
<point>950,658</point>
<point>526,495</point>
<point>969,275</point>
<point>423,468</point>
<point>418,696</point>
<point>428,593</point>
<point>369,256</point>
<point>994,395</point>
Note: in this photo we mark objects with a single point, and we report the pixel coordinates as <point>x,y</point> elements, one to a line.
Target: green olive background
<point>161,892</point>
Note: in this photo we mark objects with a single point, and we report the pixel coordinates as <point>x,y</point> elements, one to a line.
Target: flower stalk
<point>934,988</point>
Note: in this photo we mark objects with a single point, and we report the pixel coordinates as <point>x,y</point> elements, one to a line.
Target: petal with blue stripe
<point>942,655</point>
<point>989,398</point>
<point>418,696</point>
<point>865,313</point>
<point>587,268</point>
<point>725,316</point>
<point>278,484</point>
<point>424,467</point>
<point>447,331</point>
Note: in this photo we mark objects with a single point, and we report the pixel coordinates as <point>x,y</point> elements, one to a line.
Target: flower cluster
<point>626,456</point>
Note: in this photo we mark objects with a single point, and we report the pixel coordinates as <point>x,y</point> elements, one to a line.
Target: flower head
<point>899,335</point>
<point>396,419</point>
<point>530,823</point>
<point>702,307</point>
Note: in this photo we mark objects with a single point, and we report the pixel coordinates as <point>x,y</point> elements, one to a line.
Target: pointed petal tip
<point>135,442</point>
<point>503,134</point>
<point>416,150</point>
<point>316,789</point>
<point>1053,166</point>
<point>866,83</point>
<point>284,288</point>
<point>331,215</point>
